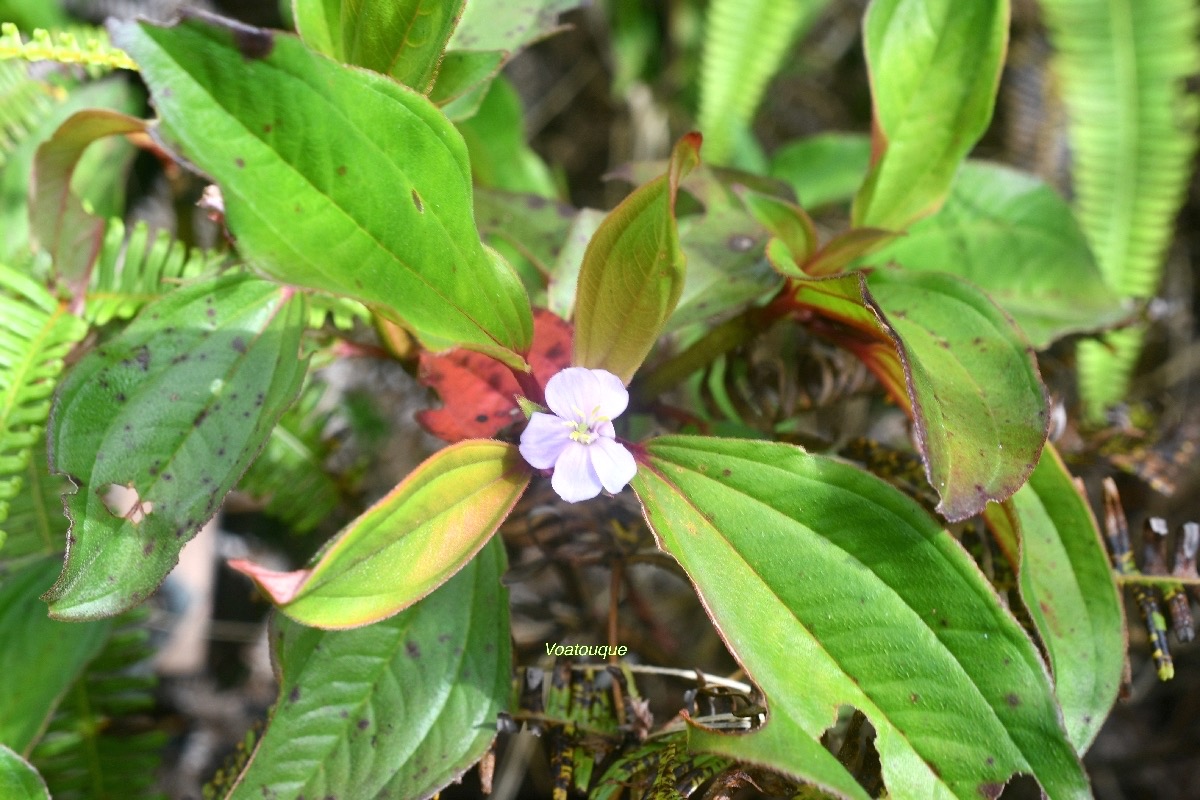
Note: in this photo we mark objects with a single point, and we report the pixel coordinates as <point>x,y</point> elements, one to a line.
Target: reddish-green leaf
<point>478,393</point>
<point>832,588</point>
<point>346,181</point>
<point>1067,584</point>
<point>969,378</point>
<point>399,708</point>
<point>401,38</point>
<point>935,66</point>
<point>60,224</point>
<point>633,273</point>
<point>407,544</point>
<point>174,409</point>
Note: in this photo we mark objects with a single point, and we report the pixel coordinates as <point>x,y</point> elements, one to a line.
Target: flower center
<point>582,433</point>
<point>582,430</point>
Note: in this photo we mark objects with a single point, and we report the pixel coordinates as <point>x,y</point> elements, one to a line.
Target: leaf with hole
<point>169,413</point>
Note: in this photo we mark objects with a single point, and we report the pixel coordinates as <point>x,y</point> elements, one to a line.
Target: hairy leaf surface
<point>398,708</point>
<point>407,544</point>
<point>346,181</point>
<point>833,588</point>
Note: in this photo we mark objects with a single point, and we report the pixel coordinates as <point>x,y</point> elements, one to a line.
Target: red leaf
<point>478,392</point>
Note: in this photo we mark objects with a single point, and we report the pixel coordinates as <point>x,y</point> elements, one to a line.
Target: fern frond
<point>289,474</point>
<point>36,333</point>
<point>36,524</point>
<point>96,746</point>
<point>24,102</point>
<point>1121,66</point>
<point>745,42</point>
<point>135,269</point>
<point>89,47</point>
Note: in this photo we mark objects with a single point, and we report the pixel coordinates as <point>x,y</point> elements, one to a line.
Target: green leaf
<point>97,746</point>
<point>633,273</point>
<point>175,409</point>
<point>41,657</point>
<point>792,228</point>
<point>1014,237</point>
<point>935,66</point>
<point>495,137</point>
<point>418,536</point>
<point>745,43</point>
<point>508,26</point>
<point>19,780</point>
<point>1067,585</point>
<point>832,588</point>
<point>311,193</point>
<point>968,378</point>
<point>60,223</point>
<point>823,169</point>
<point>289,475</point>
<point>399,708</point>
<point>403,38</point>
<point>726,269</point>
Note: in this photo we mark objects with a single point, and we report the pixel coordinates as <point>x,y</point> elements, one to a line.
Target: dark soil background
<point>1149,748</point>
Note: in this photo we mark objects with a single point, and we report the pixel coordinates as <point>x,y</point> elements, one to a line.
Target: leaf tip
<point>281,587</point>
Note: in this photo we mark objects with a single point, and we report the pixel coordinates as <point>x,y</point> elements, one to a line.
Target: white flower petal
<point>605,429</point>
<point>543,440</point>
<point>612,463</point>
<point>573,393</point>
<point>613,397</point>
<point>574,478</point>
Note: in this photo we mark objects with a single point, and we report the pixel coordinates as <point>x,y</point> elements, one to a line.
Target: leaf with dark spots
<point>982,411</point>
<point>478,392</point>
<point>313,744</point>
<point>165,452</point>
<point>427,271</point>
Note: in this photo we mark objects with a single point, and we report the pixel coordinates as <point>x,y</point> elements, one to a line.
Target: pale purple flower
<point>577,440</point>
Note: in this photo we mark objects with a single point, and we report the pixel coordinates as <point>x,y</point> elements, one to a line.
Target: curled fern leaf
<point>36,333</point>
<point>1121,65</point>
<point>136,269</point>
<point>744,45</point>
<point>89,47</point>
